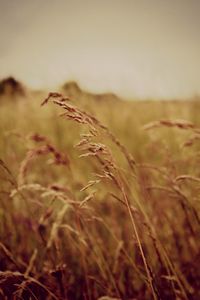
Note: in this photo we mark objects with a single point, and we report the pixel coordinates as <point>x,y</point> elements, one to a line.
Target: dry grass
<point>94,211</point>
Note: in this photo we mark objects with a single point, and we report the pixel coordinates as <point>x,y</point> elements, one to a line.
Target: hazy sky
<point>142,48</point>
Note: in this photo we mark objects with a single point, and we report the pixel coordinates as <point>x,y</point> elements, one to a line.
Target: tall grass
<point>101,203</point>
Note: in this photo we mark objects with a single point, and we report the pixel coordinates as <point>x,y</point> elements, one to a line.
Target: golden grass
<point>105,206</point>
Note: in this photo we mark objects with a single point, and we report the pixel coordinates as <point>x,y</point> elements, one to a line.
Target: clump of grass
<point>103,225</point>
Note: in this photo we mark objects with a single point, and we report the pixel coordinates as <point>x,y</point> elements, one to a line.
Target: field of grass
<point>99,199</point>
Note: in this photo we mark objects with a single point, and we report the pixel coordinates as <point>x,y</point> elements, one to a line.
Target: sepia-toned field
<point>99,198</point>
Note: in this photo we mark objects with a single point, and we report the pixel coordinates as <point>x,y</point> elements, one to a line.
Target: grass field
<point>99,199</point>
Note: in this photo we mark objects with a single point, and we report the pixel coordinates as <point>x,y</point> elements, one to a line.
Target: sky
<point>135,48</point>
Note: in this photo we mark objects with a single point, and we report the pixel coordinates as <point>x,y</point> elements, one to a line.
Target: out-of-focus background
<point>135,48</point>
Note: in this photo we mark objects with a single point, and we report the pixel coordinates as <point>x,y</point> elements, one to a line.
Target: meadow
<point>99,198</point>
